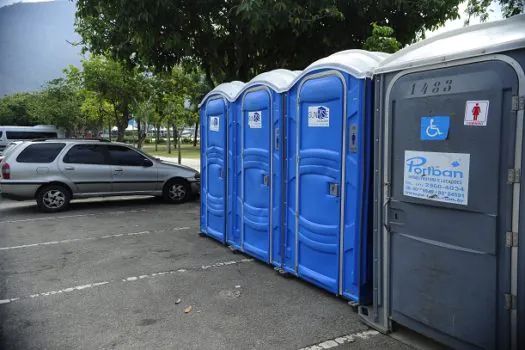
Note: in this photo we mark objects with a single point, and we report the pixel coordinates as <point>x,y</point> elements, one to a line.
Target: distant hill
<point>34,44</point>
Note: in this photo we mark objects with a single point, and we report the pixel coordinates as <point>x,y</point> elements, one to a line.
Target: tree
<point>18,109</point>
<point>97,111</point>
<point>60,104</point>
<point>479,8</point>
<point>234,40</point>
<point>382,40</point>
<point>113,82</point>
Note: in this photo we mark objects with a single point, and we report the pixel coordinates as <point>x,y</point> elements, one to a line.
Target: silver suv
<point>55,171</point>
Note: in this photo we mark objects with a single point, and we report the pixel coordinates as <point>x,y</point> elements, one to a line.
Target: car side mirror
<point>147,163</point>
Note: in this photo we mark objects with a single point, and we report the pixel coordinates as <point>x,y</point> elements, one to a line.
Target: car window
<point>29,135</point>
<point>86,154</point>
<point>40,153</point>
<point>10,147</point>
<point>125,156</point>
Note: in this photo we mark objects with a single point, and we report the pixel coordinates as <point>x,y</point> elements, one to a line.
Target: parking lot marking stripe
<point>69,290</point>
<point>204,267</point>
<point>219,264</point>
<point>71,216</point>
<point>6,301</point>
<point>65,241</point>
<point>345,339</point>
<point>127,279</point>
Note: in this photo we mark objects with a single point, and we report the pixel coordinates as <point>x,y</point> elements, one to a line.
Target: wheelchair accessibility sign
<point>434,128</point>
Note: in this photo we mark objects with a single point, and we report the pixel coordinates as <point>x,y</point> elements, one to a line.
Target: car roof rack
<point>71,139</point>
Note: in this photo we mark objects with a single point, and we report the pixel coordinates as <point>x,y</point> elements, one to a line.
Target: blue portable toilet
<point>216,121</point>
<point>258,165</point>
<point>329,123</point>
<point>448,204</point>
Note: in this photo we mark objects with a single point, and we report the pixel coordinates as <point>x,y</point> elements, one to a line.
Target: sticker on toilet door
<point>214,124</point>
<point>437,176</point>
<point>255,120</point>
<point>318,117</point>
<point>476,113</point>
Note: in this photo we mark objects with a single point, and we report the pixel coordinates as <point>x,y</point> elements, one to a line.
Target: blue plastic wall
<point>257,223</point>
<point>314,249</point>
<point>216,124</point>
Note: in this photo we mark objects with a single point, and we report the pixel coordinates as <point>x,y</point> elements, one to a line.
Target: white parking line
<point>345,339</point>
<point>71,216</point>
<point>69,290</point>
<point>64,241</point>
<point>126,279</point>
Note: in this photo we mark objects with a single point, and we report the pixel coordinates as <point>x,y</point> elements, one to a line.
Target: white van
<point>23,133</point>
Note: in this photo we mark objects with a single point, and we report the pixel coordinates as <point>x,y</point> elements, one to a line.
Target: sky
<point>494,15</point>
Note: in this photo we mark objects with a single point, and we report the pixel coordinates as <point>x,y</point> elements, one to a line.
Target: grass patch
<point>187,151</point>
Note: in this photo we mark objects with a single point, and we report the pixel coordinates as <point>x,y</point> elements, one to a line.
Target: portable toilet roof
<point>481,39</point>
<point>227,90</point>
<point>278,79</point>
<point>358,63</point>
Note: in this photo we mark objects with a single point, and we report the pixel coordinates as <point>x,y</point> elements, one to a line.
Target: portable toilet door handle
<point>221,174</point>
<point>266,180</point>
<point>334,189</point>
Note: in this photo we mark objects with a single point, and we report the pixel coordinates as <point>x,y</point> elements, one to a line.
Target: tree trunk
<point>169,139</point>
<point>209,79</point>
<point>139,134</point>
<point>196,134</point>
<point>122,124</point>
<point>175,136</point>
<point>157,137</point>
<point>179,150</point>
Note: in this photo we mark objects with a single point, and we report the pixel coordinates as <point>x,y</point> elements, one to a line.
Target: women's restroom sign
<point>476,113</point>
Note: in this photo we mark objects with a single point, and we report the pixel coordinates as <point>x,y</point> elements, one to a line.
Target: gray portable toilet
<point>447,213</point>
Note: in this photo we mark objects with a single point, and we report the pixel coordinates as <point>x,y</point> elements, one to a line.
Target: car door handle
<point>69,168</point>
<point>119,169</point>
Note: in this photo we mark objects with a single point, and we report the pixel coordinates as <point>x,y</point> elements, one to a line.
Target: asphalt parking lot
<point>108,274</point>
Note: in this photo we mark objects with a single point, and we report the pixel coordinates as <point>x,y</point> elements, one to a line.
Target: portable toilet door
<point>328,128</point>
<point>216,170</point>
<point>450,126</point>
<point>258,165</point>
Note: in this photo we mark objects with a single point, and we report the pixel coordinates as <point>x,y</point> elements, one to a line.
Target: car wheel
<point>177,191</point>
<point>53,198</point>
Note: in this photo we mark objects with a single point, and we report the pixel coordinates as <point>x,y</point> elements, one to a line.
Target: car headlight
<point>195,178</point>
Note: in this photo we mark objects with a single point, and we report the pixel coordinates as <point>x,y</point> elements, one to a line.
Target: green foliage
<point>59,104</point>
<point>110,88</point>
<point>479,8</point>
<point>18,109</point>
<point>237,39</point>
<point>382,39</point>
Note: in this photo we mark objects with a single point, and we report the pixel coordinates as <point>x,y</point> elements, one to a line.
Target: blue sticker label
<point>434,128</point>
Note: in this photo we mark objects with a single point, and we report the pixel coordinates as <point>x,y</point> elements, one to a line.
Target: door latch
<point>276,138</point>
<point>353,138</point>
<point>334,189</point>
<point>266,180</point>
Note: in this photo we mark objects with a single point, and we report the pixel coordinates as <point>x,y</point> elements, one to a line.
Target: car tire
<point>177,191</point>
<point>53,198</point>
